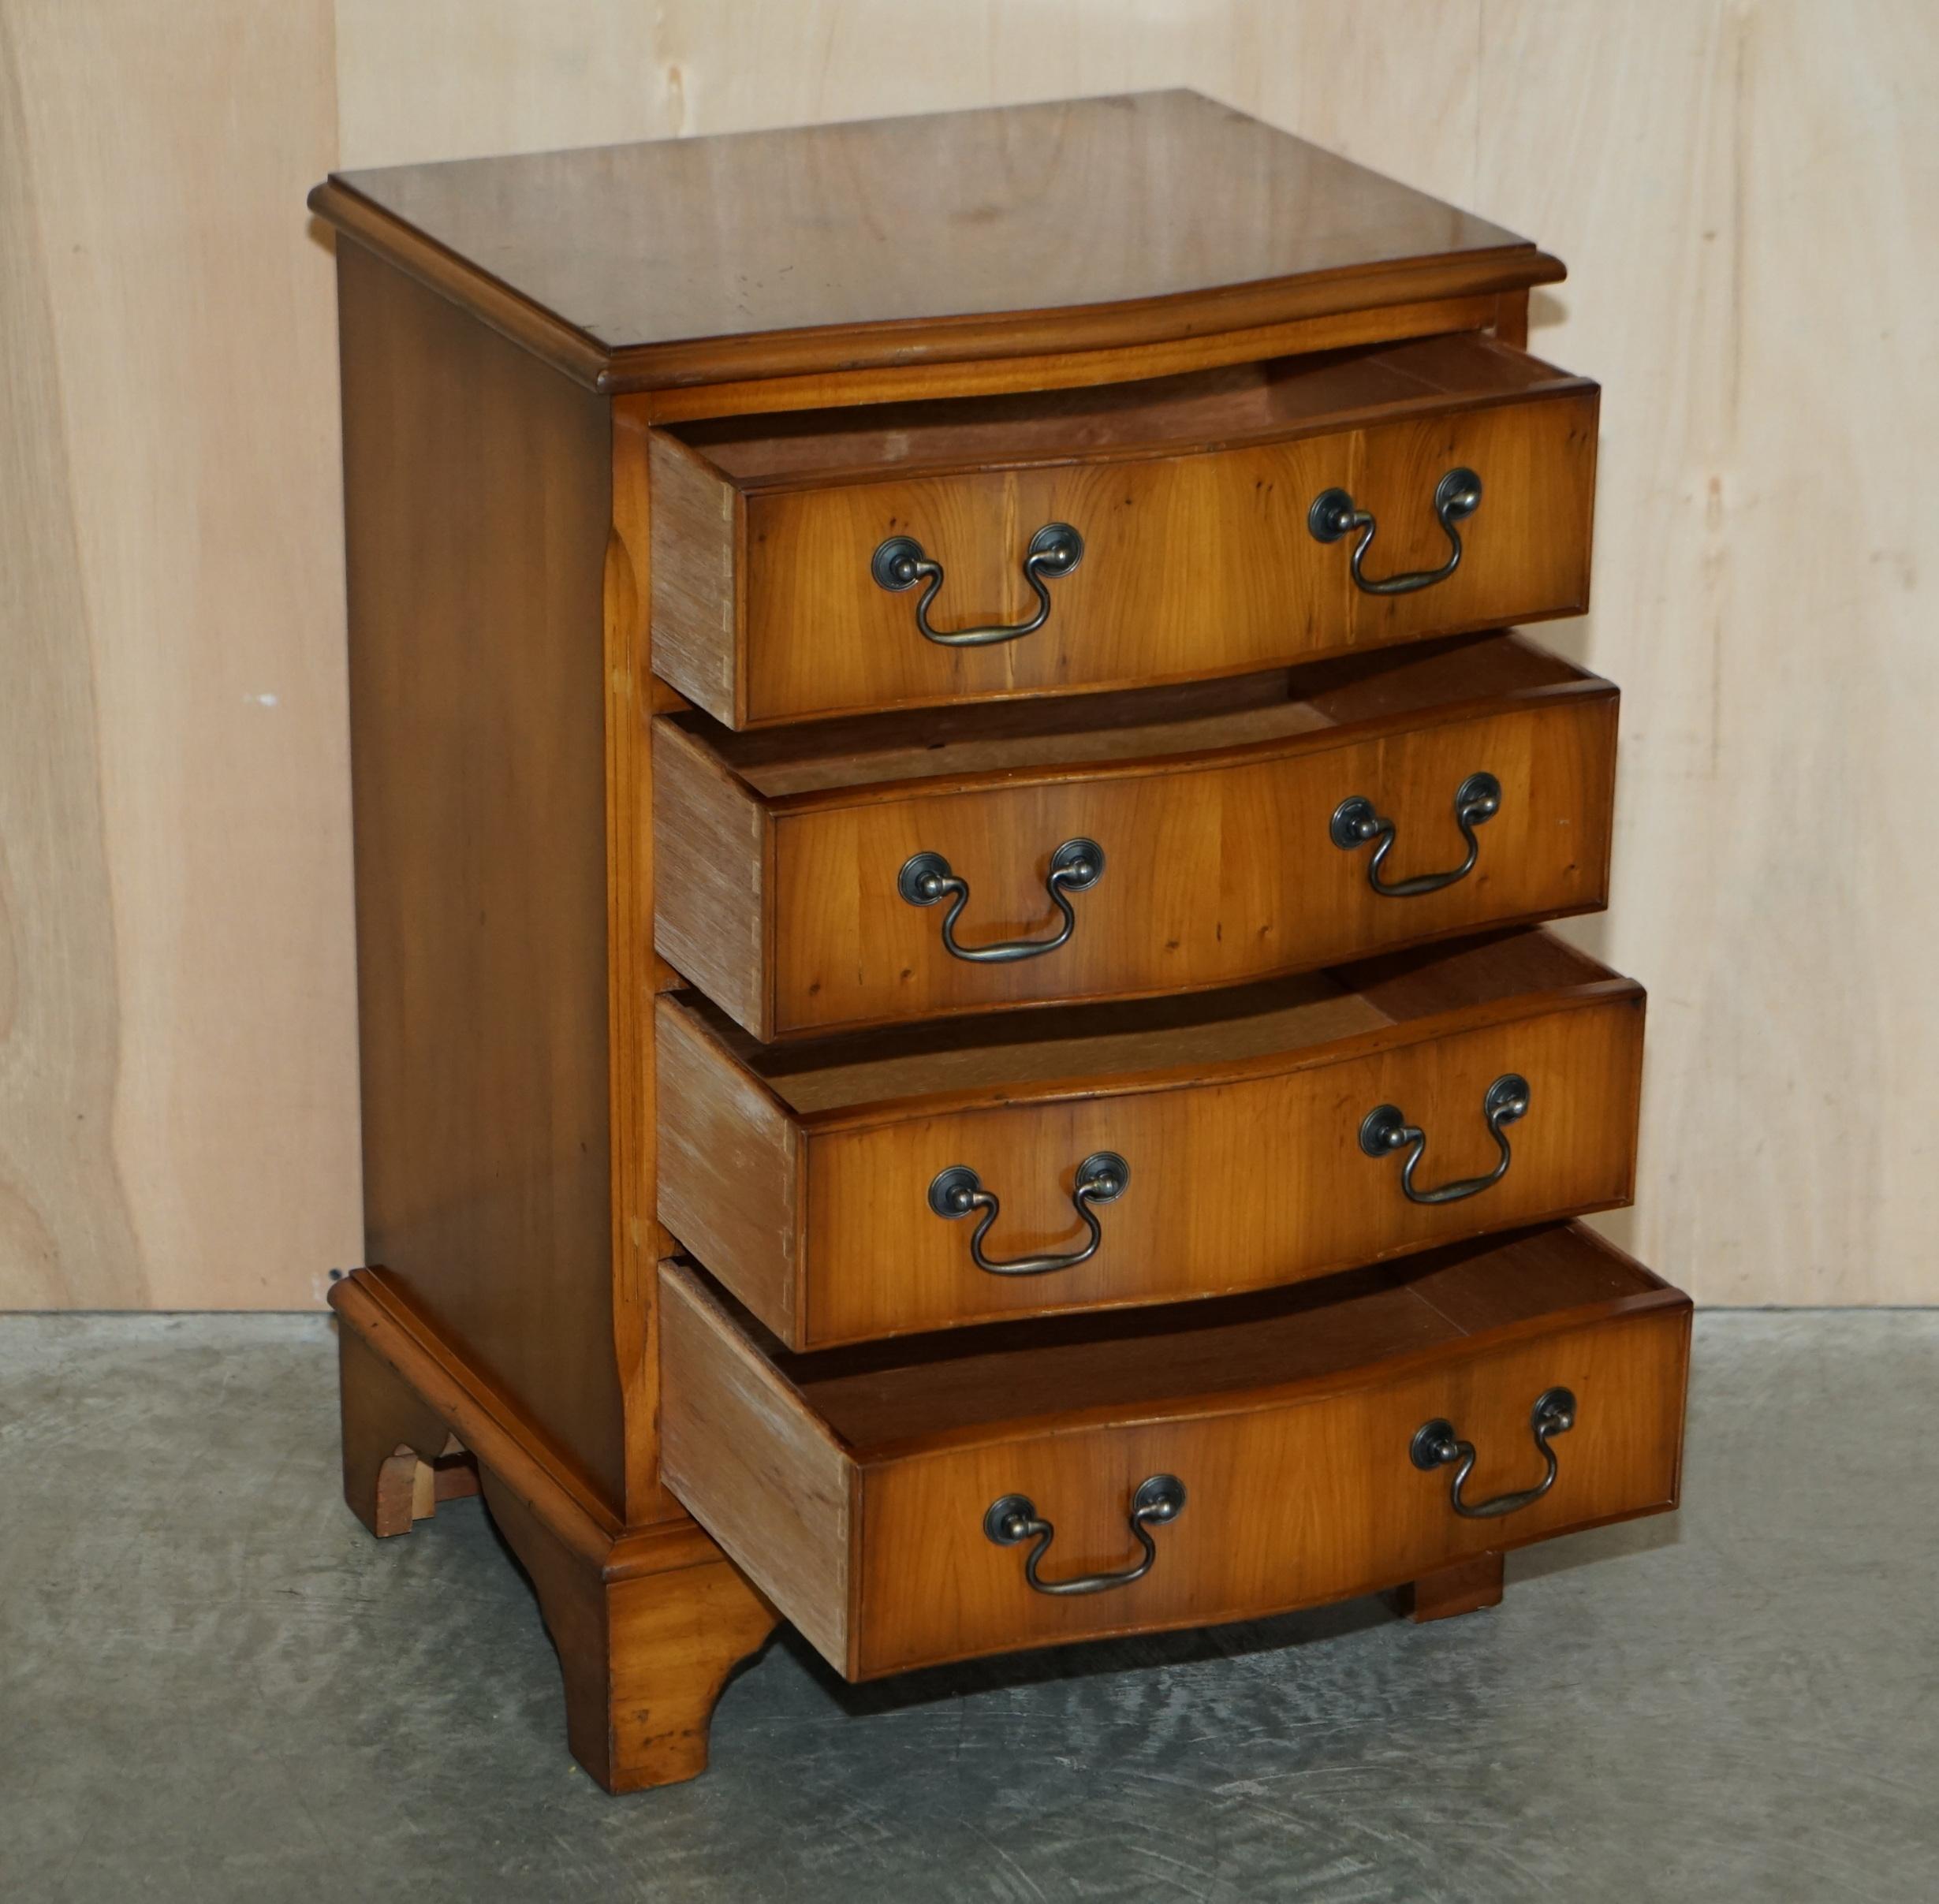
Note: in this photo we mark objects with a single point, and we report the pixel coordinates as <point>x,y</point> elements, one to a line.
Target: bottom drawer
<point>893,1499</point>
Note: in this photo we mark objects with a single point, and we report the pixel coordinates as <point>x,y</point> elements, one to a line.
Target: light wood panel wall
<point>178,1118</point>
<point>1747,193</point>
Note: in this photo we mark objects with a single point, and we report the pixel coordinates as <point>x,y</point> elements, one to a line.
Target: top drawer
<point>832,561</point>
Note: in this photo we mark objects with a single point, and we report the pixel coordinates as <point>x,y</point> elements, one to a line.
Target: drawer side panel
<point>697,521</point>
<point>729,1170</point>
<point>753,1465</point>
<point>710,843</point>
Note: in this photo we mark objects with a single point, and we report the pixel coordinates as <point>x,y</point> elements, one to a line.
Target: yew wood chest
<point>951,845</point>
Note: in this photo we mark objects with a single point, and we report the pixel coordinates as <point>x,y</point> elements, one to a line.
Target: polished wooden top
<point>1093,222</point>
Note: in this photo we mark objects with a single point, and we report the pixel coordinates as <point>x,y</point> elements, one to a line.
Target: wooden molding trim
<point>903,343</point>
<point>508,312</point>
<point>370,1306</point>
<point>1071,369</point>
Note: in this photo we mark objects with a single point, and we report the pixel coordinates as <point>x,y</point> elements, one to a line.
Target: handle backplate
<point>926,879</point>
<point>1334,514</point>
<point>1356,821</point>
<point>1384,1130</point>
<point>1436,1445</point>
<point>1013,1519</point>
<point>900,563</point>
<point>1102,1177</point>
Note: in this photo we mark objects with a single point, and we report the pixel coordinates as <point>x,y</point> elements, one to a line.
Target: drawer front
<point>1230,1186</point>
<point>1284,1506</point>
<point>1211,876</point>
<point>843,1192</point>
<point>1324,1449</point>
<point>1192,566</point>
<point>777,596</point>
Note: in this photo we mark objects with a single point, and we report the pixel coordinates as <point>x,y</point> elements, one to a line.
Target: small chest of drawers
<point>953,847</point>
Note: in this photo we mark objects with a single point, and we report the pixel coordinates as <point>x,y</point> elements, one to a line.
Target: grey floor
<point>214,1685</point>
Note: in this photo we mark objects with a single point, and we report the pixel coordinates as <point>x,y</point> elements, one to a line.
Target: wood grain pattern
<point>1197,218</point>
<point>1211,878</point>
<point>416,84</point>
<point>1232,1187</point>
<point>674,1638</point>
<point>1366,1517</point>
<point>779,855</point>
<point>1167,332</point>
<point>698,527</point>
<point>1239,1117</point>
<point>1313,1407</point>
<point>644,1657</point>
<point>648,1622</point>
<point>390,1434</point>
<point>479,725</point>
<point>777,1487</point>
<point>1209,717</point>
<point>1767,564</point>
<point>404,1385</point>
<point>177,1045</point>
<point>66,1232</point>
<point>1767,586</point>
<point>1084,369</point>
<point>633,974</point>
<point>1266,400</point>
<point>712,918</point>
<point>1191,494</point>
<point>1452,1591</point>
<point>729,1184</point>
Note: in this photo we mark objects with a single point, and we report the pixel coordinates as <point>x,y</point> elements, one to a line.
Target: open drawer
<point>888,1183</point>
<point>908,1504</point>
<point>1122,846</point>
<point>977,549</point>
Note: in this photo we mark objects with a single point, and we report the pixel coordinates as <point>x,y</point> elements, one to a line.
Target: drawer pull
<point>1477,800</point>
<point>1075,866</point>
<point>1436,1445</point>
<point>955,1192</point>
<point>1013,1520</point>
<point>1384,1130</point>
<point>1456,495</point>
<point>900,563</point>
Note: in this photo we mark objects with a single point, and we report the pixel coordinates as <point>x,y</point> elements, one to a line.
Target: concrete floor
<point>214,1685</point>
